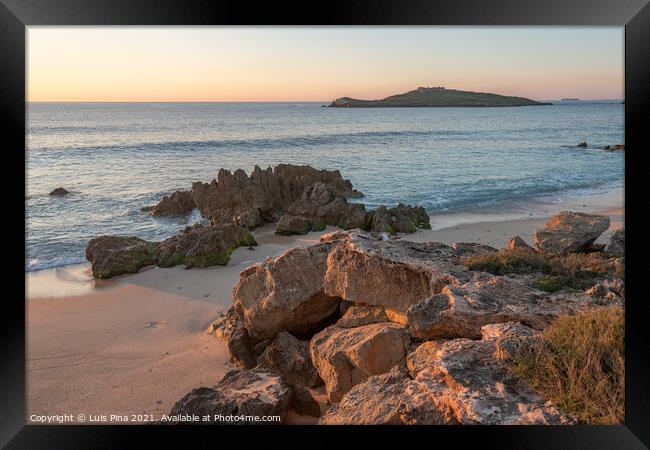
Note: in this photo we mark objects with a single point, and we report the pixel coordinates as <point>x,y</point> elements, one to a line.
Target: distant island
<point>570,100</point>
<point>436,96</point>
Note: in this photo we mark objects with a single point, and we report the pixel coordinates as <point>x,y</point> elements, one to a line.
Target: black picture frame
<point>16,15</point>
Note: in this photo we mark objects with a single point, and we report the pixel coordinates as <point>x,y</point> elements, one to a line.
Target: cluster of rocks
<point>299,198</point>
<point>195,246</point>
<point>609,148</point>
<point>398,332</point>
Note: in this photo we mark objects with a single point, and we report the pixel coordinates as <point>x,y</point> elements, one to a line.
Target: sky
<point>319,63</point>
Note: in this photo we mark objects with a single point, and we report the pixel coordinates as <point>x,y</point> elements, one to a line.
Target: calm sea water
<point>117,158</point>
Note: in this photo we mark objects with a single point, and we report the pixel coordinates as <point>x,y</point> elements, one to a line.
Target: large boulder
<point>179,203</point>
<point>469,381</point>
<point>290,358</point>
<point>200,246</point>
<point>460,310</point>
<point>395,273</point>
<point>285,293</point>
<point>616,243</point>
<point>570,232</point>
<point>241,392</point>
<point>110,256</point>
<point>346,356</point>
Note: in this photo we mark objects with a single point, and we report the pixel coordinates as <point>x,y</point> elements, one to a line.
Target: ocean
<point>116,158</point>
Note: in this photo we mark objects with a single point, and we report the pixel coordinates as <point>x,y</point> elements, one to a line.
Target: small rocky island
<point>436,97</point>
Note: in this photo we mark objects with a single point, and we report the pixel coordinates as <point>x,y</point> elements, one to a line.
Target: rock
<point>583,144</point>
<point>471,249</point>
<point>616,243</point>
<point>289,225</point>
<point>610,290</point>
<point>570,232</point>
<point>461,310</point>
<point>59,191</point>
<point>200,246</point>
<point>357,316</point>
<point>395,273</point>
<point>401,219</point>
<point>240,392</point>
<point>619,147</point>
<point>179,203</point>
<point>607,147</point>
<point>285,293</point>
<point>353,216</point>
<point>346,356</point>
<point>469,384</point>
<point>391,398</point>
<point>110,256</point>
<point>304,403</point>
<point>517,242</point>
<point>290,358</point>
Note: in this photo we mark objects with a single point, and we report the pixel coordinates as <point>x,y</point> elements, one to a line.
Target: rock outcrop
<point>461,310</point>
<point>195,246</point>
<point>346,356</point>
<point>399,332</point>
<point>469,382</point>
<point>255,392</point>
<point>179,203</point>
<point>59,191</point>
<point>616,243</point>
<point>570,232</point>
<point>299,198</point>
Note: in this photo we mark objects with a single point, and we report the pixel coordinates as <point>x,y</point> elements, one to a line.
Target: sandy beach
<point>136,344</point>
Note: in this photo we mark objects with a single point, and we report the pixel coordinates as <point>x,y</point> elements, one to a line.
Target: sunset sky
<point>319,63</point>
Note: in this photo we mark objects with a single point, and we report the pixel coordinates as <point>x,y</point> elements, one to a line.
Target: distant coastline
<point>437,97</point>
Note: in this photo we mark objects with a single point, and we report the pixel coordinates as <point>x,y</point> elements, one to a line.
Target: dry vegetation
<point>579,364</point>
<point>576,270</point>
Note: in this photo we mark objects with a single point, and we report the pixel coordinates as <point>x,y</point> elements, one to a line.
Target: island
<point>436,97</point>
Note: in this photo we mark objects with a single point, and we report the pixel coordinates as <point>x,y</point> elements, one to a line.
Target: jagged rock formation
<point>570,232</point>
<point>195,246</point>
<point>299,198</point>
<point>399,332</point>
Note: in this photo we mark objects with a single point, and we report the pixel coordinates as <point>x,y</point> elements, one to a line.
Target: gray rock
<point>570,232</point>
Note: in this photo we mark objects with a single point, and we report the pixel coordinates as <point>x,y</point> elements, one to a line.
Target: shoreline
<point>136,343</point>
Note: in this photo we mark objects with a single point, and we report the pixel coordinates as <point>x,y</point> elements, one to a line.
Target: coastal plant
<point>550,283</point>
<point>579,364</point>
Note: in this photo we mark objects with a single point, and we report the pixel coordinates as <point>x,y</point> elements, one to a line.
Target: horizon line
<point>269,101</point>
